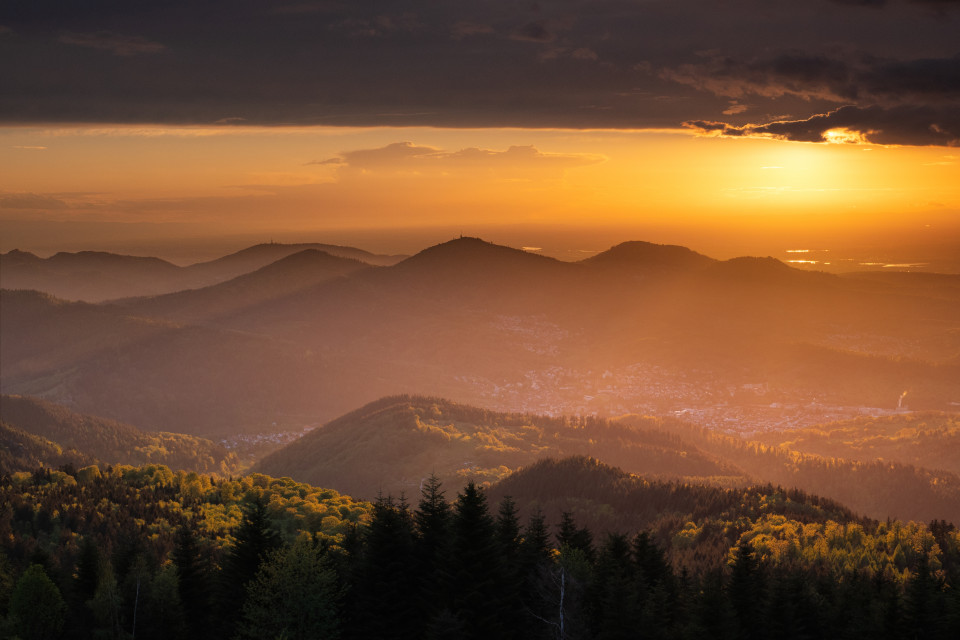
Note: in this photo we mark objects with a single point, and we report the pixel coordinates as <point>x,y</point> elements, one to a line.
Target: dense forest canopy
<point>142,550</point>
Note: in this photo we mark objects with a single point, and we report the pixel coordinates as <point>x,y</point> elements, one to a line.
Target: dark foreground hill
<point>392,445</point>
<point>40,433</point>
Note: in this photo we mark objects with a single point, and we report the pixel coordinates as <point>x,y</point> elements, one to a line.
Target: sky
<point>726,126</point>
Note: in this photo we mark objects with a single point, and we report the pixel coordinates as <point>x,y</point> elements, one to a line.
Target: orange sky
<point>296,182</point>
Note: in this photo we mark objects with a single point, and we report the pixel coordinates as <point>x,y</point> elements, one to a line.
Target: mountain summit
<point>647,255</point>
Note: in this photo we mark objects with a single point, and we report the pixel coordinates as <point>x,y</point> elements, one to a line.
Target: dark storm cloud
<point>903,125</point>
<point>826,78</point>
<point>566,63</point>
<point>880,3</point>
<point>534,32</point>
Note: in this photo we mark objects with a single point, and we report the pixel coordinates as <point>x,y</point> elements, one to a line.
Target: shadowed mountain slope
<point>95,276</point>
<point>641,256</point>
<point>108,441</point>
<point>284,277</point>
<point>487,325</point>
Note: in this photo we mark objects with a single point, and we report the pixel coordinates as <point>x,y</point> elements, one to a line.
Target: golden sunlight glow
<point>315,179</point>
<point>842,135</point>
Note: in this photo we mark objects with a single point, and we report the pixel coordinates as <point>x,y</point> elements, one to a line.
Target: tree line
<point>140,552</point>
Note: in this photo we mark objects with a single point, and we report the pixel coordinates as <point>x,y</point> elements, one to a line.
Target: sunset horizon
<point>513,320</point>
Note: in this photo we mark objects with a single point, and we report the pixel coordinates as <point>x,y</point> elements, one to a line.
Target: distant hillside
<point>23,451</point>
<point>89,275</point>
<point>284,277</point>
<point>259,256</point>
<point>928,439</point>
<point>95,276</point>
<point>159,375</point>
<point>392,444</point>
<point>58,435</point>
<point>642,256</point>
<point>492,326</point>
<point>877,489</point>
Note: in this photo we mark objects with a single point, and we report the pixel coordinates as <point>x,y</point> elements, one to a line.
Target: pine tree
<point>432,518</point>
<point>474,581</point>
<point>614,601</point>
<point>513,614</point>
<point>36,607</point>
<point>192,580</point>
<point>253,540</point>
<point>536,562</point>
<point>385,592</point>
<point>746,592</point>
<point>576,538</point>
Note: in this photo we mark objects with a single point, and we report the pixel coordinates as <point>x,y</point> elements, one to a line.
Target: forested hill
<point>149,553</point>
<point>927,438</point>
<point>38,432</point>
<point>607,499</point>
<point>393,444</point>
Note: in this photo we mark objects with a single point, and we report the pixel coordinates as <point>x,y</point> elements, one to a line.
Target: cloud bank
<point>499,63</point>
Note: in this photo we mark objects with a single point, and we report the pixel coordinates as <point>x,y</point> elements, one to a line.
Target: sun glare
<point>842,135</point>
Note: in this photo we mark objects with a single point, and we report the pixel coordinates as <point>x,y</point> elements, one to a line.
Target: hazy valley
<point>721,407</point>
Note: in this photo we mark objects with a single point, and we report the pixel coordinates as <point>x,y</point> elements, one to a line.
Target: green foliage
<point>924,439</point>
<point>52,435</point>
<point>719,563</point>
<point>36,607</point>
<point>295,595</point>
<point>396,442</point>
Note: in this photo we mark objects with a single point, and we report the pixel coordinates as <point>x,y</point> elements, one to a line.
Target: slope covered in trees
<point>20,450</point>
<point>86,439</point>
<point>150,553</point>
<point>392,444</point>
<point>928,439</point>
<point>877,488</point>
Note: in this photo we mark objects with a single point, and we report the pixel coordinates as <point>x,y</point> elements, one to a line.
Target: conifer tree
<point>385,588</point>
<point>192,580</point>
<point>614,602</point>
<point>432,518</point>
<point>746,592</point>
<point>80,620</point>
<point>253,540</point>
<point>514,615</point>
<point>474,580</point>
<point>36,607</point>
<point>535,562</point>
<point>576,538</point>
